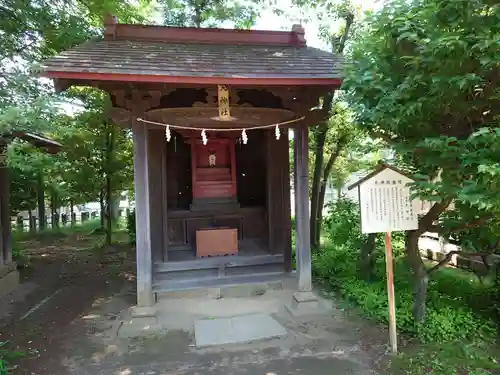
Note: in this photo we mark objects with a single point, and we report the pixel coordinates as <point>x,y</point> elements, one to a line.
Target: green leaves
<point>210,13</point>
<point>30,31</point>
<point>424,76</point>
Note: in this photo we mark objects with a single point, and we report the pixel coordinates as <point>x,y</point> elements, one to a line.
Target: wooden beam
<point>332,82</point>
<point>142,216</point>
<point>231,261</point>
<point>301,179</point>
<point>121,31</point>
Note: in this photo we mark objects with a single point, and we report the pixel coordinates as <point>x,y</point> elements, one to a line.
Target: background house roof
<point>39,141</point>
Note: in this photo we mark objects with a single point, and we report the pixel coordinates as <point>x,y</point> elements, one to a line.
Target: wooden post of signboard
<point>393,338</point>
<point>386,206</point>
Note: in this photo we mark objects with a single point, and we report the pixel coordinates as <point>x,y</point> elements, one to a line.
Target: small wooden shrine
<point>210,111</point>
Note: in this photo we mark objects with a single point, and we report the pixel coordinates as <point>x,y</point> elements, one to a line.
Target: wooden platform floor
<point>183,270</point>
<point>246,248</point>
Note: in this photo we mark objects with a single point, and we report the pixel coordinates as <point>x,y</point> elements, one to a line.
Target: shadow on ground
<point>84,295</point>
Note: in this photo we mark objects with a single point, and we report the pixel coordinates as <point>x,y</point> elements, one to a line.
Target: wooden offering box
<point>216,242</point>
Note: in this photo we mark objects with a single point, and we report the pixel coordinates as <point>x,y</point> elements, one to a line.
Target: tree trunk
<point>319,156</point>
<point>320,139</point>
<point>103,208</point>
<point>109,215</point>
<point>319,220</point>
<point>324,183</point>
<point>31,222</point>
<point>414,259</point>
<point>497,296</point>
<point>366,258</point>
<point>72,213</point>
<point>42,224</point>
<point>53,211</point>
<point>420,277</point>
<point>198,11</point>
<point>110,140</point>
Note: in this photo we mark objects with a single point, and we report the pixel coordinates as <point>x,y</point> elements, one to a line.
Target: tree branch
<point>425,223</point>
<point>349,20</point>
<point>333,157</point>
<point>471,224</point>
<point>463,254</point>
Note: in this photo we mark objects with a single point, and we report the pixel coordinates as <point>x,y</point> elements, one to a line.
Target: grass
<point>87,236</point>
<point>458,334</point>
<point>51,233</point>
<point>6,356</point>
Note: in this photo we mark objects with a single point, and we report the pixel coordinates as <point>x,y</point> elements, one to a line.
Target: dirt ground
<point>65,277</point>
<point>64,318</point>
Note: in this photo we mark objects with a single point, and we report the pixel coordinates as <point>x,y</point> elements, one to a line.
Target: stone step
<point>205,283</point>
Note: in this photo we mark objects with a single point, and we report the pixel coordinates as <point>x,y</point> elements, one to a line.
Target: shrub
<point>342,223</point>
<point>449,317</point>
<point>21,258</point>
<point>6,356</point>
<point>342,226</point>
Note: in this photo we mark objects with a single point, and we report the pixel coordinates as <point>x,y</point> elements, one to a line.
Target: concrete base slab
<point>139,327</point>
<point>143,312</point>
<point>181,313</point>
<point>305,303</point>
<point>236,330</point>
<point>9,281</point>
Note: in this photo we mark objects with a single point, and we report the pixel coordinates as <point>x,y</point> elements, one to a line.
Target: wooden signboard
<point>386,206</point>
<point>223,99</point>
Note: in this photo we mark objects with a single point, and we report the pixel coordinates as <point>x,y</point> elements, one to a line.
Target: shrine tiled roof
<point>197,60</point>
<point>148,53</point>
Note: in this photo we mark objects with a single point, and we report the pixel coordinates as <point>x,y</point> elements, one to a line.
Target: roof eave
<point>240,81</point>
<point>48,145</point>
<point>380,167</point>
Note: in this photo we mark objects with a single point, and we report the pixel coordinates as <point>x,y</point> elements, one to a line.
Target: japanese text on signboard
<point>386,205</point>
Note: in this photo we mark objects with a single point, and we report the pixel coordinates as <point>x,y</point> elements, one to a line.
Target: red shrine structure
<point>206,190</point>
<point>213,170</point>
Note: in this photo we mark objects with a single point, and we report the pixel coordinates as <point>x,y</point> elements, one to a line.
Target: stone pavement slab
<point>234,330</point>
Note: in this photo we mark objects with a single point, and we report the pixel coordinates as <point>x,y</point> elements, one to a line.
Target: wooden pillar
<point>232,155</point>
<point>301,179</point>
<point>165,191</point>
<point>192,143</point>
<point>142,216</point>
<point>156,144</point>
<point>278,196</point>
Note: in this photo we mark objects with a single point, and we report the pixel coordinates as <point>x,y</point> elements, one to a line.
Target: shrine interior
<point>226,190</point>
